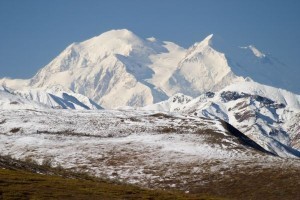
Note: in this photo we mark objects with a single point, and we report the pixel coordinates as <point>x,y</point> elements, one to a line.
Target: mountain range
<point>118,68</point>
<point>241,86</point>
<point>154,114</point>
<point>268,115</point>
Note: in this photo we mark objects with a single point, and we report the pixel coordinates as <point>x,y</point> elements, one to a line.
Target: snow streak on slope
<point>118,68</point>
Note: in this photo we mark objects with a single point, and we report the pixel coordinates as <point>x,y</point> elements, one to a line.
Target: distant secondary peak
<point>255,51</point>
<point>151,39</point>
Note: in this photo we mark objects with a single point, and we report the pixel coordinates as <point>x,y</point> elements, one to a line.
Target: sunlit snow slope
<point>118,68</point>
<point>9,100</point>
<point>54,97</point>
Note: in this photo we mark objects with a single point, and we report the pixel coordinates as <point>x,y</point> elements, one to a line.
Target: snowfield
<point>119,68</point>
<point>147,148</point>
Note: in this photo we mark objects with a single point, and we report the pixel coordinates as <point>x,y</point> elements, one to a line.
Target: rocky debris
<point>210,94</point>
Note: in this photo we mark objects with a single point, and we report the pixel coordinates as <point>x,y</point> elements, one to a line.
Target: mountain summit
<point>118,68</point>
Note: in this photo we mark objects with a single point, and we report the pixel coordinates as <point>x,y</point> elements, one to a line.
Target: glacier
<point>119,68</point>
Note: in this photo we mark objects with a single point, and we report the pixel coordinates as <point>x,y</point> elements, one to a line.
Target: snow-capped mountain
<point>54,97</point>
<point>202,69</point>
<point>118,68</point>
<point>267,115</point>
<point>111,69</point>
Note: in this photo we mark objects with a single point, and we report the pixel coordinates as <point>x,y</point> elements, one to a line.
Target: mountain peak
<point>152,39</point>
<point>121,41</point>
<point>212,41</point>
<point>208,40</point>
<point>118,34</point>
<point>117,68</point>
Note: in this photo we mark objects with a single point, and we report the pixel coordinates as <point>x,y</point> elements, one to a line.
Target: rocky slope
<point>267,115</point>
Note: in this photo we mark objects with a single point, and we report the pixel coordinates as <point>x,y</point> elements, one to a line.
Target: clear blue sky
<point>33,32</point>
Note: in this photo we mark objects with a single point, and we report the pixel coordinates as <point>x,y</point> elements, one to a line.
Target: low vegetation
<point>28,180</point>
<point>16,184</point>
<point>255,183</point>
<point>19,182</point>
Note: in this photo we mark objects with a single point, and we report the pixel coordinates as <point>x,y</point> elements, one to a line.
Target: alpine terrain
<point>212,119</point>
<point>118,68</point>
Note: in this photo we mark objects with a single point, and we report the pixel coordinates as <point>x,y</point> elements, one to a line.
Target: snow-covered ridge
<point>55,97</point>
<point>119,68</point>
<point>202,69</point>
<point>9,100</point>
<point>267,115</point>
<point>276,94</point>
